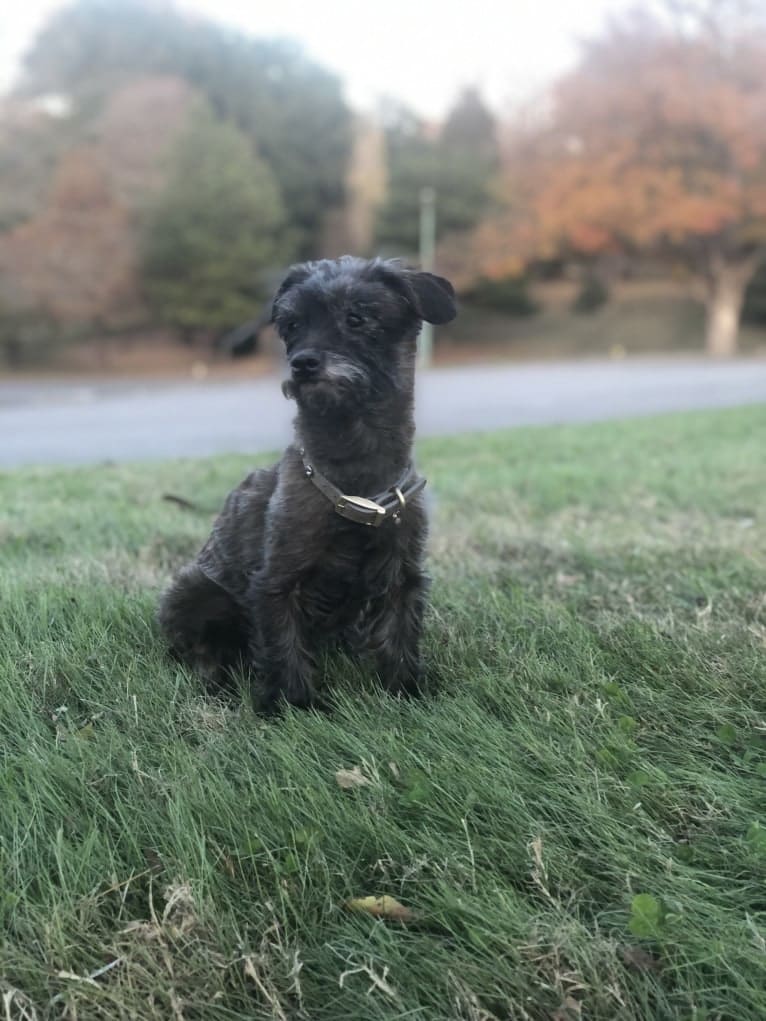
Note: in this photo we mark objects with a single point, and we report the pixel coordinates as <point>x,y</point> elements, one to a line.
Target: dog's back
<point>235,548</point>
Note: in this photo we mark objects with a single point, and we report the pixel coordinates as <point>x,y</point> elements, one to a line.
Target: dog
<point>325,548</point>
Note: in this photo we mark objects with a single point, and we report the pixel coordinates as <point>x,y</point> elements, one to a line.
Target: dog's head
<point>350,326</point>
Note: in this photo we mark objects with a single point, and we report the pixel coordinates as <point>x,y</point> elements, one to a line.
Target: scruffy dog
<point>327,545</point>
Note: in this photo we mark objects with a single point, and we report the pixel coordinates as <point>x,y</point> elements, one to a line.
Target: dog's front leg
<point>283,662</point>
<point>397,625</point>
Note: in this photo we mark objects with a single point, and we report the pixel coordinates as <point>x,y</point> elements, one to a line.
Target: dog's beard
<point>341,383</point>
<point>325,395</point>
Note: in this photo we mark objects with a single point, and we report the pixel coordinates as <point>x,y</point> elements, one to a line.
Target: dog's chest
<point>354,568</point>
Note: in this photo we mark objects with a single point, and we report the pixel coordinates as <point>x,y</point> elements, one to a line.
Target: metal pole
<point>427,254</point>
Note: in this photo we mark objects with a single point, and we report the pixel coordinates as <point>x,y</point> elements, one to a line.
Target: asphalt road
<point>71,423</point>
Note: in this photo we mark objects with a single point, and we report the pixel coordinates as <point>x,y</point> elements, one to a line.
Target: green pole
<point>427,254</point>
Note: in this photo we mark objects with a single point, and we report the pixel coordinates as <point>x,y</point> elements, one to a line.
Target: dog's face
<point>349,327</point>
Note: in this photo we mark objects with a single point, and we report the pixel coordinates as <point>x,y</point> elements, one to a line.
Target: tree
<point>74,261</point>
<point>467,157</point>
<point>31,145</point>
<point>754,308</point>
<point>459,162</point>
<point>218,221</point>
<point>69,265</point>
<point>470,127</point>
<point>411,164</point>
<point>657,141</point>
<point>289,107</point>
<point>135,130</point>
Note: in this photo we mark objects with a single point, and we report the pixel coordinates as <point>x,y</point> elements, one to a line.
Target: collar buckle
<point>361,510</point>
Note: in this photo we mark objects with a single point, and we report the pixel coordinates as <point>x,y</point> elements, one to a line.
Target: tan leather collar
<point>390,504</point>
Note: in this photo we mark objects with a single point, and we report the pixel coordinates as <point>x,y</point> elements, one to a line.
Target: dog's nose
<point>305,364</point>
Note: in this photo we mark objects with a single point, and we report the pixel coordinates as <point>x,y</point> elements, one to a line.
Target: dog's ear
<point>296,275</point>
<point>434,297</point>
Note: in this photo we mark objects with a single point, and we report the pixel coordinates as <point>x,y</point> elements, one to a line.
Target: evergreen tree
<point>459,164</point>
<point>217,223</point>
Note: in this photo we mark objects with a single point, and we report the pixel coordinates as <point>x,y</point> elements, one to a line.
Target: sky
<point>419,51</point>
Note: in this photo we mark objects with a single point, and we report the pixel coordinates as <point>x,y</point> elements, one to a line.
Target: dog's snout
<point>305,363</point>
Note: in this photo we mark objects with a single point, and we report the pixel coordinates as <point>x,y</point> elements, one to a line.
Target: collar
<point>388,504</point>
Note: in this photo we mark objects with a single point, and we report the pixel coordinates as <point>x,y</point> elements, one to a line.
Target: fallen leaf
<point>569,1009</point>
<point>381,907</point>
<point>153,859</point>
<point>146,931</point>
<point>181,501</point>
<point>563,580</point>
<point>640,959</point>
<point>347,779</point>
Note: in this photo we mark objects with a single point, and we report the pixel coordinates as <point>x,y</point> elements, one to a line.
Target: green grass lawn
<point>576,819</point>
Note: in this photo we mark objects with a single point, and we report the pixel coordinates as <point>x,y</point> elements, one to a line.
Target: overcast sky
<point>420,51</point>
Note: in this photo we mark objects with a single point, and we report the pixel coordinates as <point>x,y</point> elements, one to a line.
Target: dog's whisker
<point>342,370</point>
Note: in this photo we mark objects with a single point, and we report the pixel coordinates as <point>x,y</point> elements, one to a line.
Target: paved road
<point>68,423</point>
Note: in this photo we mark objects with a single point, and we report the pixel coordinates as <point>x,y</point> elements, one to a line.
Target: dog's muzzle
<point>314,366</point>
<point>305,366</point>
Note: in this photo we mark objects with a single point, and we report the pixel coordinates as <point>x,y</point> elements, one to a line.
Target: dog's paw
<point>274,704</point>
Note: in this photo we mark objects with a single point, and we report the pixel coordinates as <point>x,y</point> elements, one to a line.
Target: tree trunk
<point>727,282</point>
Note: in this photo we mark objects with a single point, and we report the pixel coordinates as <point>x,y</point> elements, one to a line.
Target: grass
<point>577,818</point>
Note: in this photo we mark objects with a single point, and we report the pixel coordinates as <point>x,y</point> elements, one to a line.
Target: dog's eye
<point>354,320</point>
<point>289,327</point>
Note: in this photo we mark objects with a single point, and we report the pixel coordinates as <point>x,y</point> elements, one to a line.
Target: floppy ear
<point>296,275</point>
<point>434,297</point>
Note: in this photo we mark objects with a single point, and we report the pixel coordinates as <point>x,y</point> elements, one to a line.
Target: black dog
<point>327,544</point>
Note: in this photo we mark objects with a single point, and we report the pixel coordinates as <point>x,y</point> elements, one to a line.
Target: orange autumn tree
<point>656,142</point>
<point>76,259</point>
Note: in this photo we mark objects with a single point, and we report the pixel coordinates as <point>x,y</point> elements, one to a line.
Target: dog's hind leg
<point>205,626</point>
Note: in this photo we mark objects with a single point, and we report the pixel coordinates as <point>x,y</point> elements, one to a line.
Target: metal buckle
<point>361,510</point>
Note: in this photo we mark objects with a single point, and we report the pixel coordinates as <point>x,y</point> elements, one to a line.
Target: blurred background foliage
<point>158,171</point>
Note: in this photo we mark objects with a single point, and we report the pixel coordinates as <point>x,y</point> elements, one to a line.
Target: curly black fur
<point>282,573</point>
